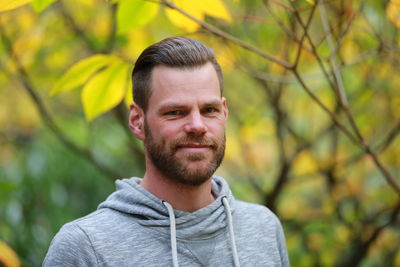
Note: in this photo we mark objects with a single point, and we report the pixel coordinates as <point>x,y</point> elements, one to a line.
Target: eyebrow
<point>180,106</point>
<point>213,103</point>
<point>172,105</point>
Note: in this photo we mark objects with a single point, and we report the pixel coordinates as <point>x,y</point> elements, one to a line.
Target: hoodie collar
<point>149,211</point>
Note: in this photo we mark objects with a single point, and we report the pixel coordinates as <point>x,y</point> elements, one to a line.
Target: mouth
<point>194,147</point>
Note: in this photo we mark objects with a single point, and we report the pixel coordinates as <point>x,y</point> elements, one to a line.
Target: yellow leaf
<point>198,9</point>
<point>182,21</point>
<point>105,90</point>
<point>128,96</point>
<point>393,12</point>
<point>12,4</point>
<point>137,41</point>
<point>305,163</point>
<point>79,73</point>
<point>215,8</point>
<point>133,14</point>
<point>8,257</point>
<point>40,5</point>
<point>225,57</point>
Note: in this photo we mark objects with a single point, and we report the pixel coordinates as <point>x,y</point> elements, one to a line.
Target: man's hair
<point>177,52</point>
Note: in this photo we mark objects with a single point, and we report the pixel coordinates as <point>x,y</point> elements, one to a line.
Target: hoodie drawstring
<point>174,249</point>
<point>231,233</point>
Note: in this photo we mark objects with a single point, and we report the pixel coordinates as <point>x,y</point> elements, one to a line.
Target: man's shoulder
<point>79,229</point>
<point>255,214</point>
<point>92,219</point>
<point>101,220</point>
<point>252,208</point>
<point>71,246</point>
<point>76,242</point>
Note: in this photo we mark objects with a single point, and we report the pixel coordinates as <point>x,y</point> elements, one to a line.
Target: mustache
<point>194,140</point>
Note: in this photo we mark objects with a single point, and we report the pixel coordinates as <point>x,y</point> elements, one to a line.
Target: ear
<point>225,109</point>
<point>136,121</point>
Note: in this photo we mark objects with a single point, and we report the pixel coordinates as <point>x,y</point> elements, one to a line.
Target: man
<point>179,214</point>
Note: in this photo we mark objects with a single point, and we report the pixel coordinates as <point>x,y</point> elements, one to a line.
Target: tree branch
<point>344,104</point>
<point>231,38</point>
<point>45,115</point>
<point>303,37</point>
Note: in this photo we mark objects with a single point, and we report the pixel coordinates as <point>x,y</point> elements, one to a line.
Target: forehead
<point>184,84</point>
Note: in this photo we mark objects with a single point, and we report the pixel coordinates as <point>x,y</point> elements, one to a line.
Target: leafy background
<point>313,92</point>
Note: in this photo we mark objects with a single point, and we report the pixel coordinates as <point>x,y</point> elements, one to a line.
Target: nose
<point>195,124</point>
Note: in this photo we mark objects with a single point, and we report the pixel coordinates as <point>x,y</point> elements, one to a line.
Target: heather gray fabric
<point>132,228</point>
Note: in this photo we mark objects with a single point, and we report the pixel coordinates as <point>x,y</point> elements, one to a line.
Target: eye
<point>174,113</point>
<point>210,110</point>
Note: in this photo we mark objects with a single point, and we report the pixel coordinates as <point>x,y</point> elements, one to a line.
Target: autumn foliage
<point>314,99</point>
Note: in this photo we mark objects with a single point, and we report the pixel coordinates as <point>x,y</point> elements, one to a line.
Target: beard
<point>165,159</point>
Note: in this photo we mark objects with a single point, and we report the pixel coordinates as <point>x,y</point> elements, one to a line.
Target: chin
<point>194,180</point>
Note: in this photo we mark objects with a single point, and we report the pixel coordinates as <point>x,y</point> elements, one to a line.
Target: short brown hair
<point>178,52</point>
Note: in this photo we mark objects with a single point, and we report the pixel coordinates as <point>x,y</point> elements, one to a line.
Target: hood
<point>149,211</point>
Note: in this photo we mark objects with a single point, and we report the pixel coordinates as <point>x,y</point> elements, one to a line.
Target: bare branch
<point>390,137</point>
<point>336,71</point>
<point>314,50</point>
<point>227,36</point>
<point>45,114</point>
<point>76,29</point>
<point>305,31</point>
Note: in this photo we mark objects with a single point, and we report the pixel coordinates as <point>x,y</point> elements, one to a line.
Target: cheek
<point>217,127</point>
<point>167,131</point>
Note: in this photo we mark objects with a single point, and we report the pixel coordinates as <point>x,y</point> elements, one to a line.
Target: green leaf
<point>132,14</point>
<point>12,4</point>
<point>105,90</point>
<point>40,5</point>
<point>79,73</point>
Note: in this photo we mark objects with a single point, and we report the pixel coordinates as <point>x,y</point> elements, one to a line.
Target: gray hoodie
<point>135,228</point>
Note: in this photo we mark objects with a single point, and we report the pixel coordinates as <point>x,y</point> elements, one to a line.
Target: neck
<point>182,197</point>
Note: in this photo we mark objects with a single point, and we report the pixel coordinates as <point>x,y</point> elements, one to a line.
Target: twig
<point>348,25</point>
<point>45,115</point>
<point>227,36</point>
<point>333,117</point>
<point>336,71</point>
<point>305,29</point>
<point>279,3</point>
<point>361,245</point>
<point>344,103</point>
<point>90,46</point>
<point>390,137</point>
<point>314,50</point>
<point>109,45</point>
<point>387,175</point>
<point>288,31</point>
<point>356,140</point>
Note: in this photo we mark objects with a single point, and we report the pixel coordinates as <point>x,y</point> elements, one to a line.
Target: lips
<point>194,147</point>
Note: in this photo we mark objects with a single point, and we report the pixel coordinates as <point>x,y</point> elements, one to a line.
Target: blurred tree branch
<point>358,139</point>
<point>224,35</point>
<point>119,111</point>
<point>344,104</point>
<point>359,246</point>
<point>45,114</point>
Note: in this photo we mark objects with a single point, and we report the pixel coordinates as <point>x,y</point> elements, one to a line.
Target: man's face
<point>185,123</point>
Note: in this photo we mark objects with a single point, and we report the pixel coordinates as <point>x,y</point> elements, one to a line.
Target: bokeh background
<point>313,89</point>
